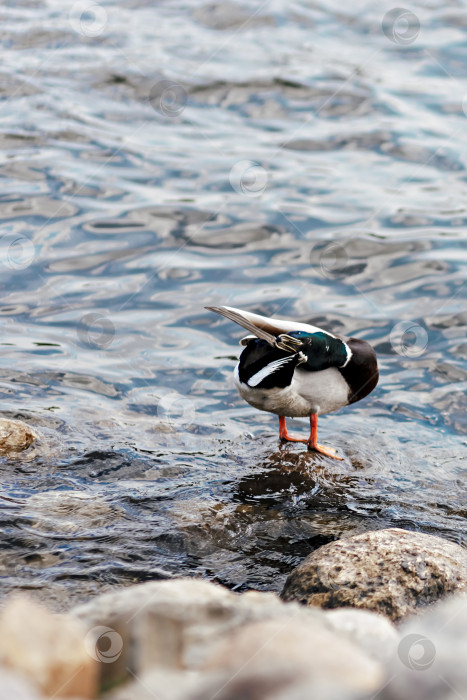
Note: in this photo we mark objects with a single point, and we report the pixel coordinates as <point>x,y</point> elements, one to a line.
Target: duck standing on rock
<point>296,370</point>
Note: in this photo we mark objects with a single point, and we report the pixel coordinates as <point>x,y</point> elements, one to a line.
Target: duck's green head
<point>320,349</point>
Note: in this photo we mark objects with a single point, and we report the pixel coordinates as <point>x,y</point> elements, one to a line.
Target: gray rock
<point>169,625</point>
<point>201,634</point>
<point>301,648</point>
<point>15,687</point>
<point>178,620</point>
<point>430,663</point>
<point>273,684</point>
<point>372,632</point>
<point>394,572</point>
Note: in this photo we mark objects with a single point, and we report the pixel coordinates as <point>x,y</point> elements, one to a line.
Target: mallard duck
<point>295,370</point>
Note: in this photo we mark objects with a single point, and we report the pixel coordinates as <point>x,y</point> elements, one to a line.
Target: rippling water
<point>299,159</point>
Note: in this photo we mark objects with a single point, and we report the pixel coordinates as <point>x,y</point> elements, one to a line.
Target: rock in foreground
<point>187,639</point>
<point>48,649</point>
<point>394,572</point>
<point>430,660</point>
<point>300,647</point>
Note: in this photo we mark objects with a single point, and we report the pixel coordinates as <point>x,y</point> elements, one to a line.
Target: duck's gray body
<point>308,392</point>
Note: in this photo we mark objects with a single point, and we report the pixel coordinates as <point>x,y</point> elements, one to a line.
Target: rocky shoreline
<point>380,615</point>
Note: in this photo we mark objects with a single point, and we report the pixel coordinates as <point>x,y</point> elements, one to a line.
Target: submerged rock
<point>48,649</point>
<point>68,511</point>
<point>394,572</point>
<point>15,436</point>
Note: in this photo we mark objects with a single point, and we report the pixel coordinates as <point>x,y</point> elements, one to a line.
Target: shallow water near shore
<point>297,160</point>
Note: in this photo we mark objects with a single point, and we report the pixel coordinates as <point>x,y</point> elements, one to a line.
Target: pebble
<point>15,436</point>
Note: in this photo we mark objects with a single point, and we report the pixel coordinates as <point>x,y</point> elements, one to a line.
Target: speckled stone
<point>15,436</point>
<point>394,572</point>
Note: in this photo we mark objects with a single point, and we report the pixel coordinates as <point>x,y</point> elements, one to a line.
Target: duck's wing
<point>263,327</point>
<point>242,318</point>
<point>315,348</point>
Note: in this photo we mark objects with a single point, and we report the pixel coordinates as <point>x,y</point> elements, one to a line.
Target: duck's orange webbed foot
<point>312,442</point>
<point>327,451</point>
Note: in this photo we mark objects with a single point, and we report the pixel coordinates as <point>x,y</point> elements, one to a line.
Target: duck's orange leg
<point>283,434</point>
<point>313,440</point>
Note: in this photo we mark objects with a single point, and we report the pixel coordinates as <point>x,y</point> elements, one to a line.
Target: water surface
<point>297,159</point>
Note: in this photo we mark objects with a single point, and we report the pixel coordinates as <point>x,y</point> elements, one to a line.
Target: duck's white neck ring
<point>349,356</point>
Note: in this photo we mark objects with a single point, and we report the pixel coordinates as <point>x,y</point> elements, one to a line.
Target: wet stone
<point>394,572</point>
<point>15,436</point>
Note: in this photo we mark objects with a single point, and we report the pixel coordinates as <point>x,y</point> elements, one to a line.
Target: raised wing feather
<point>263,327</point>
